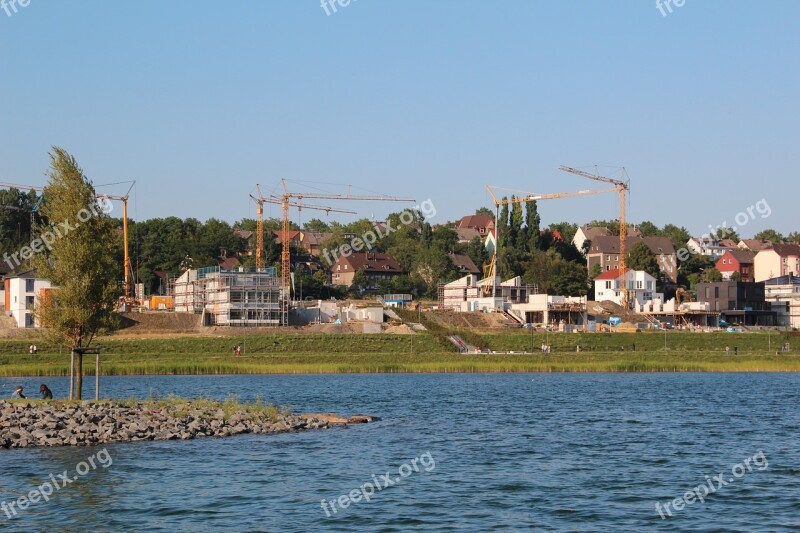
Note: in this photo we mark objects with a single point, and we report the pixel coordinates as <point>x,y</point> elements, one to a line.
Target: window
<point>716,292</point>
<point>29,302</point>
<point>345,267</point>
<point>29,285</point>
<point>639,284</point>
<point>608,284</point>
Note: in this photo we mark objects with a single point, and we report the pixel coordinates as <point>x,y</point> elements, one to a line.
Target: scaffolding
<point>241,297</point>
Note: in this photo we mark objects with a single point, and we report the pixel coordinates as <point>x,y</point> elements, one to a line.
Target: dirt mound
<point>470,320</point>
<point>401,329</point>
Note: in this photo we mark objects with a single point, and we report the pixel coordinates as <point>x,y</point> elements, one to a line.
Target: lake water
<point>472,452</point>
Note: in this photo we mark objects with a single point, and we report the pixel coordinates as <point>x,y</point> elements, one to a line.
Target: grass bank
<point>331,354</point>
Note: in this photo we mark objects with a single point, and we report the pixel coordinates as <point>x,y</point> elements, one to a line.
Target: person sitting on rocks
<point>47,394</point>
<point>18,392</point>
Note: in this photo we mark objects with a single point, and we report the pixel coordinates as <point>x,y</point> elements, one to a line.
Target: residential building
<point>754,245</point>
<point>641,287</point>
<point>589,233</point>
<point>377,267</point>
<point>23,292</point>
<point>464,264</point>
<point>471,293</point>
<point>783,295</point>
<point>310,241</point>
<point>604,251</point>
<point>708,246</point>
<point>737,260</point>
<point>483,224</point>
<point>737,302</point>
<point>780,260</point>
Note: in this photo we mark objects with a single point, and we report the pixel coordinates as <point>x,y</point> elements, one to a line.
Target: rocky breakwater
<point>28,424</point>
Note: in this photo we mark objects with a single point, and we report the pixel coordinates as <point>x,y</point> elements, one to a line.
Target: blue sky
<point>199,101</point>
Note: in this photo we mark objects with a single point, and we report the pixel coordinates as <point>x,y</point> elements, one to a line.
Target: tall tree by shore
<point>78,260</point>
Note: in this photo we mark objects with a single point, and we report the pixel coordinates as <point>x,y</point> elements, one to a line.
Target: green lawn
<point>353,353</point>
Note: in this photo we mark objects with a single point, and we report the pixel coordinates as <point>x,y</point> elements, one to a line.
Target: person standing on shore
<point>727,350</point>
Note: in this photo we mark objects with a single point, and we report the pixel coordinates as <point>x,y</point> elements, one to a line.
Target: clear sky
<point>198,101</point>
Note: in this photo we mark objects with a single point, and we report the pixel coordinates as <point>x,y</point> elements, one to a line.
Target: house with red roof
<point>733,261</point>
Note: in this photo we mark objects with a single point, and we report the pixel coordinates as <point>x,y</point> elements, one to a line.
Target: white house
<point>708,246</point>
<point>22,294</point>
<point>641,287</point>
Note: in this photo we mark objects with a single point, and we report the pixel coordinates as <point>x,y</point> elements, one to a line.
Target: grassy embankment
<point>355,353</point>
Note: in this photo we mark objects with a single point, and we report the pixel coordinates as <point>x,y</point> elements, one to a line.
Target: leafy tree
<point>360,280</point>
<point>712,275</point>
<point>736,276</point>
<point>554,275</point>
<point>679,235</point>
<point>80,263</point>
<point>726,233</point>
<point>693,264</point>
<point>477,252</point>
<point>515,226</point>
<point>444,239</point>
<point>484,211</point>
<point>648,229</point>
<point>596,271</point>
<point>502,226</point>
<point>566,229</point>
<point>641,257</point>
<point>793,237</point>
<point>426,236</point>
<point>532,226</point>
<point>317,225</point>
<point>511,262</point>
<point>611,225</point>
<point>769,235</point>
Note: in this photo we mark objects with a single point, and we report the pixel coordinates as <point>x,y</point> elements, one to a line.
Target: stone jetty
<point>29,424</point>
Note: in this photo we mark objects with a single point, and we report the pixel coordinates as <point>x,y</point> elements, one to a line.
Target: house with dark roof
<point>377,267</point>
<point>604,251</point>
<point>780,260</point>
<point>754,245</point>
<point>589,233</point>
<point>740,261</point>
<point>310,241</point>
<point>482,223</point>
<point>464,264</point>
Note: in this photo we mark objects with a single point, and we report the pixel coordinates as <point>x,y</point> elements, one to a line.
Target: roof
<point>243,233</point>
<point>467,234</point>
<point>315,237</point>
<point>464,263</point>
<point>754,244</point>
<point>728,243</point>
<point>28,274</point>
<point>742,256</point>
<point>228,263</point>
<point>476,221</point>
<point>609,274</point>
<point>610,245</point>
<point>294,235</point>
<point>785,250</point>
<point>783,280</point>
<point>592,232</point>
<point>371,261</point>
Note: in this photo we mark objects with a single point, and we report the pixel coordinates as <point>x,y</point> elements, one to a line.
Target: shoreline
<point>38,423</point>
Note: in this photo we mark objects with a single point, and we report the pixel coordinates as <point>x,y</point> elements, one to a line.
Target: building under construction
<point>240,297</point>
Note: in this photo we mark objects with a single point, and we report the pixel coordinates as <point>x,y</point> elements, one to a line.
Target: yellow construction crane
<point>289,199</point>
<point>490,269</point>
<point>622,189</point>
<point>124,200</point>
